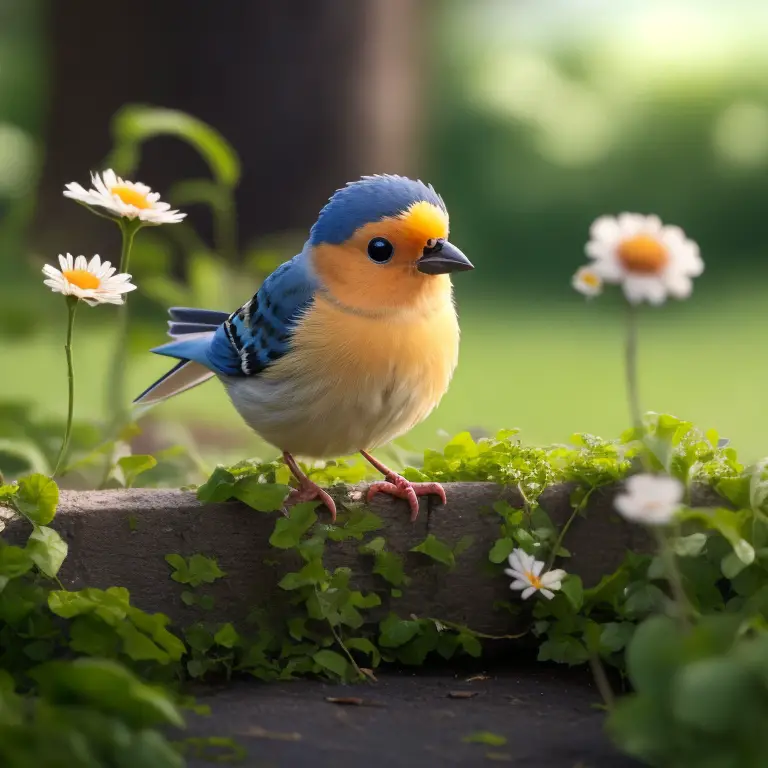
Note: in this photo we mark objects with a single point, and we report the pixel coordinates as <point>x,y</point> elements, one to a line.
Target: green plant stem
<point>630,361</point>
<point>601,681</point>
<point>461,628</point>
<point>72,303</point>
<point>225,228</point>
<point>116,392</point>
<point>673,576</point>
<point>564,530</point>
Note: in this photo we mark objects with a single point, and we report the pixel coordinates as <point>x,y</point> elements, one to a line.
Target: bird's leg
<point>398,486</point>
<point>307,490</point>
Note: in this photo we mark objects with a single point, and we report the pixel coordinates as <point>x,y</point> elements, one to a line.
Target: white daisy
<point>526,571</point>
<point>124,199</point>
<point>650,499</point>
<point>93,282</point>
<point>650,260</point>
<point>587,282</point>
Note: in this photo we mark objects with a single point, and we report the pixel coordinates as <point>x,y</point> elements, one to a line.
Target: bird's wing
<point>259,333</point>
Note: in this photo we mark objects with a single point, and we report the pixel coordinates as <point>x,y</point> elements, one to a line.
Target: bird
<point>344,347</point>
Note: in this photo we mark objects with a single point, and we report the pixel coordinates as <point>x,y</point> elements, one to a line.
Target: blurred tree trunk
<point>311,94</point>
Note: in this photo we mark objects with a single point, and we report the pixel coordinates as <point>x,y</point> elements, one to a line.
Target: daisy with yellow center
<point>123,199</point>
<point>528,577</point>
<point>587,282</point>
<point>91,281</point>
<point>650,260</point>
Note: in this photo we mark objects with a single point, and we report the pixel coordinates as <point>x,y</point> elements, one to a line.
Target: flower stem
<point>564,530</point>
<point>630,359</point>
<point>116,392</point>
<point>72,303</point>
<point>673,576</point>
<point>601,681</point>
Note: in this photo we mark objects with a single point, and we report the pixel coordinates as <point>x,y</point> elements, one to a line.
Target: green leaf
<point>689,546</point>
<point>616,635</point>
<point>289,530</point>
<point>437,550</point>
<point>365,646</point>
<point>485,737</point>
<point>220,486</point>
<point>501,550</point>
<point>47,549</point>
<point>389,566</point>
<point>713,695</point>
<point>198,570</point>
<point>263,497</point>
<point>373,547</point>
<point>227,636</point>
<point>312,573</point>
<point>139,647</point>
<point>133,466</point>
<point>333,662</point>
<point>37,498</point>
<point>463,544</point>
<point>654,655</point>
<point>470,644</point>
<point>108,687</point>
<point>14,561</point>
<point>135,124</point>
<point>564,650</point>
<point>573,589</point>
<point>396,631</point>
<point>360,522</point>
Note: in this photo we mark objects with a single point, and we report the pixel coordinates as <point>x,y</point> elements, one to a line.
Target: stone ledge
<point>104,552</point>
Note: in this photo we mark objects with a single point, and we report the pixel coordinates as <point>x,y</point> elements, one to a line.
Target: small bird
<point>346,346</point>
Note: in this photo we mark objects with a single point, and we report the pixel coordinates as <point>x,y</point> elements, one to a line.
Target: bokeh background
<point>531,117</point>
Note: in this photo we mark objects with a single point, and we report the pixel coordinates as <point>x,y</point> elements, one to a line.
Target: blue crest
<point>372,198</point>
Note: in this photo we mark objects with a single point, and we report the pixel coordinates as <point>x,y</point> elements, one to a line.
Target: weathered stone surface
<point>104,551</point>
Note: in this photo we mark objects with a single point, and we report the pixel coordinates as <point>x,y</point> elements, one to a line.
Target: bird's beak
<point>443,259</point>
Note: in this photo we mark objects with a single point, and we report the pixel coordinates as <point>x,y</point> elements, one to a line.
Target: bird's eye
<point>431,243</point>
<point>380,250</point>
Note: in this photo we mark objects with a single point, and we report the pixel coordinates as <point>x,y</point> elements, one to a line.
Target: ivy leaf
<point>263,497</point>
<point>133,466</point>
<point>333,662</point>
<point>312,573</point>
<point>616,635</point>
<point>437,550</point>
<point>47,549</point>
<point>289,530</point>
<point>14,561</point>
<point>470,644</point>
<point>37,498</point>
<point>107,687</point>
<point>463,544</point>
<point>365,646</point>
<point>198,570</point>
<point>396,631</point>
<point>139,647</point>
<point>501,550</point>
<point>226,636</point>
<point>360,522</point>
<point>564,650</point>
<point>389,566</point>
<point>373,547</point>
<point>220,486</point>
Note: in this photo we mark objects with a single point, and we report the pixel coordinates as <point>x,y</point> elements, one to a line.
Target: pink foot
<point>401,488</point>
<point>307,490</point>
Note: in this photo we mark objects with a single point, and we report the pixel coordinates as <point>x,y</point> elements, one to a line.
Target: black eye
<point>380,250</point>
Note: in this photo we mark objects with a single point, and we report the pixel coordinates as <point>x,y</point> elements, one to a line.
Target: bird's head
<point>381,243</point>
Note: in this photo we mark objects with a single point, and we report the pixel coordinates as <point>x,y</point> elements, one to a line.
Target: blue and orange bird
<point>346,346</point>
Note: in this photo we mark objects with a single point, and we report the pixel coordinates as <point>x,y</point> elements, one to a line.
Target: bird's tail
<point>191,331</point>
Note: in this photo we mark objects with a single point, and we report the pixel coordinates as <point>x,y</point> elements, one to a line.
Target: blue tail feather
<point>210,317</point>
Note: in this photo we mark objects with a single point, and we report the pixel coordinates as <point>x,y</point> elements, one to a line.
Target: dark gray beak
<point>442,259</point>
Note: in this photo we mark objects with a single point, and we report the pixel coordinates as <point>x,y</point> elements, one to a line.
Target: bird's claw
<point>400,488</point>
<point>309,491</point>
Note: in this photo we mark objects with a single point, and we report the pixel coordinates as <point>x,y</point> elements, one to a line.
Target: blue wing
<point>254,336</point>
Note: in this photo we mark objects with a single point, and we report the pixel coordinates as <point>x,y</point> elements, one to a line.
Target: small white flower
<point>526,571</point>
<point>650,260</point>
<point>124,199</point>
<point>587,282</point>
<point>93,282</point>
<point>650,499</point>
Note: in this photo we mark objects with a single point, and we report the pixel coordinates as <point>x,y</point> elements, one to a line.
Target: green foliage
<point>195,571</point>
